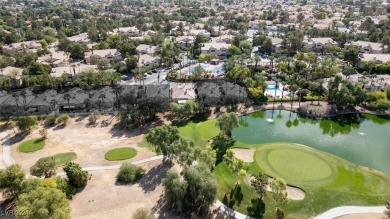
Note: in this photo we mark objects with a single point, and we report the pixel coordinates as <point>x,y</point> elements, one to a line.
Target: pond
<point>360,138</point>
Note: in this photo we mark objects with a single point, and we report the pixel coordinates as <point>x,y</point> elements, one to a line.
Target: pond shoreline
<point>308,109</point>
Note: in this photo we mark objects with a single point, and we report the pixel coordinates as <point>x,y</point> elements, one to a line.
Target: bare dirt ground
<point>90,143</point>
<point>362,216</point>
<point>104,198</point>
<point>244,154</point>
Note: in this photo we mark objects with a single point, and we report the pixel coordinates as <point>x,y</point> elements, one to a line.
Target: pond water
<point>360,138</point>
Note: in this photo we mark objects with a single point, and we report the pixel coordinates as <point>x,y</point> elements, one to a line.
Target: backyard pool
<point>214,69</point>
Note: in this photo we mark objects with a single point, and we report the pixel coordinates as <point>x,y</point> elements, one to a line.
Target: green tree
<point>43,202</point>
<point>260,183</point>
<point>234,164</point>
<point>182,150</point>
<point>169,51</point>
<point>388,92</point>
<point>161,137</point>
<point>129,173</point>
<point>11,181</point>
<point>351,55</point>
<point>45,166</point>
<point>24,123</point>
<point>221,143</point>
<point>185,110</point>
<point>226,122</point>
<point>62,119</point>
<point>234,50</point>
<point>174,190</point>
<point>201,188</point>
<point>37,69</point>
<point>76,176</point>
<point>246,47</point>
<point>279,194</point>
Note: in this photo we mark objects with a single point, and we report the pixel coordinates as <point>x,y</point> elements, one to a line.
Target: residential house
<point>55,59</point>
<point>147,49</point>
<point>276,44</point>
<point>368,47</point>
<point>217,31</point>
<point>73,100</point>
<point>111,54</point>
<point>80,38</point>
<point>127,32</point>
<point>181,92</point>
<point>225,39</point>
<point>15,74</point>
<point>185,41</point>
<point>195,33</point>
<point>147,62</point>
<point>379,58</point>
<point>26,46</point>
<point>315,44</point>
<point>70,71</point>
<point>220,49</point>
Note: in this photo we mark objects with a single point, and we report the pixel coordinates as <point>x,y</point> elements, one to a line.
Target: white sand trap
<point>294,193</point>
<point>244,154</point>
<point>362,216</point>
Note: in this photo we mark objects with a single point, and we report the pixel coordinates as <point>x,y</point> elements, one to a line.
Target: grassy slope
<point>63,158</point>
<point>200,132</point>
<point>31,145</point>
<point>120,154</point>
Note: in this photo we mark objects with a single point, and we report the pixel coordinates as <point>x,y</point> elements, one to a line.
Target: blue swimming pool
<point>215,69</point>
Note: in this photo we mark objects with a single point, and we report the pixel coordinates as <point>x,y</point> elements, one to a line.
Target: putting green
<point>292,162</point>
<point>297,165</point>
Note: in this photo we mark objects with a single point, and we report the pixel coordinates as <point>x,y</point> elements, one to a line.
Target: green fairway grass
<point>31,145</point>
<point>120,154</point>
<point>63,158</point>
<point>200,132</point>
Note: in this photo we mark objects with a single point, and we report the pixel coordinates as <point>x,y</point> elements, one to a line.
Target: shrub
<point>143,213</point>
<point>62,119</point>
<point>129,173</point>
<point>25,123</point>
<point>92,118</point>
<point>65,187</point>
<point>43,133</point>
<point>45,166</point>
<point>50,120</point>
<point>76,176</point>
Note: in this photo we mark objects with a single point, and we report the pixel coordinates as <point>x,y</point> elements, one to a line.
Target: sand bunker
<point>244,154</point>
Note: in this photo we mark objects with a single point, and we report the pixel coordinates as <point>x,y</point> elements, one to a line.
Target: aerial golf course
<point>327,180</point>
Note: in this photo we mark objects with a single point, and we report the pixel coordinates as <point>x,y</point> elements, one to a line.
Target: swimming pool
<point>273,90</point>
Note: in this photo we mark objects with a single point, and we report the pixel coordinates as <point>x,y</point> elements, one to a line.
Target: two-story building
<point>220,49</point>
<point>185,41</point>
<point>315,44</point>
<point>25,46</point>
<point>147,49</point>
<point>368,47</point>
<point>110,54</point>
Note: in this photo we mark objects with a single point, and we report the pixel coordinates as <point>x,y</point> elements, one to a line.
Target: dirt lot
<point>90,143</point>
<point>104,198</point>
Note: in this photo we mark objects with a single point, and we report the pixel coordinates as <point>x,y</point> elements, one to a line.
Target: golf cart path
<point>345,210</point>
<point>6,152</point>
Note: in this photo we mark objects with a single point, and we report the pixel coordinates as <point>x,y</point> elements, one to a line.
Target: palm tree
<point>67,97</point>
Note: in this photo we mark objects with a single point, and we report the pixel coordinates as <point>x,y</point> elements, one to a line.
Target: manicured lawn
<point>31,145</point>
<point>293,164</point>
<point>200,132</point>
<point>120,154</point>
<point>338,182</point>
<point>63,158</point>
